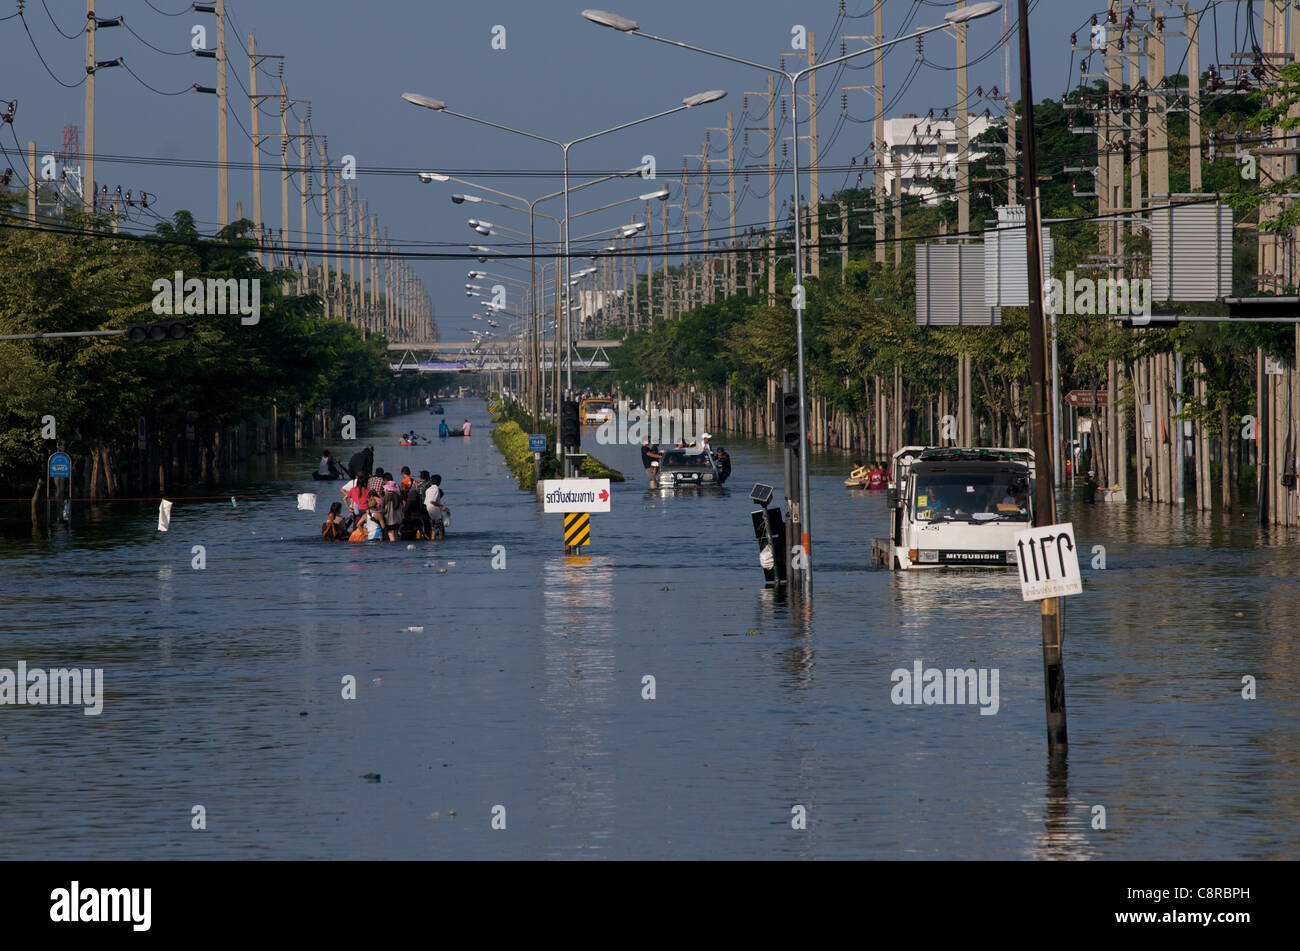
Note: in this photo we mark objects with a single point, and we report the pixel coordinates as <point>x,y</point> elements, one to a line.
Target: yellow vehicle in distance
<point>595,410</point>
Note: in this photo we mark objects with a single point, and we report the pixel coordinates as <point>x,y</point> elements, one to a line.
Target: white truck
<point>956,507</point>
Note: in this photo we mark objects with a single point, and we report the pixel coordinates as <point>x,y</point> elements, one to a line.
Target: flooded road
<point>524,689</point>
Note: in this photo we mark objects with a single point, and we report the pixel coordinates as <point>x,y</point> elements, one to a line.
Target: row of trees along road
<point>79,276</point>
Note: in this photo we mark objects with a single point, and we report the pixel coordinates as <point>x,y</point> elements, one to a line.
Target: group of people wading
<point>383,506</point>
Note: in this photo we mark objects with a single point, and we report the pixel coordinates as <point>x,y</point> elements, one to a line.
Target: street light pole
<point>624,25</point>
<point>689,102</point>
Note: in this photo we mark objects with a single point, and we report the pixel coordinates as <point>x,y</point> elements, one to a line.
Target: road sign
<point>575,495</point>
<point>537,442</point>
<point>1085,397</point>
<point>1049,563</point>
<point>60,466</point>
<point>577,529</point>
<point>1274,366</point>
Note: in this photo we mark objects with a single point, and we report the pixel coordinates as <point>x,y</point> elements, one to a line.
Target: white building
<point>926,149</point>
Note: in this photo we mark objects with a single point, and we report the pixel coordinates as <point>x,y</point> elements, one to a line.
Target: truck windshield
<point>970,497</point>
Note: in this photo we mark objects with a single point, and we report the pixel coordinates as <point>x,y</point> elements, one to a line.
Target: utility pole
<point>649,264</point>
<point>770,96</point>
<point>898,208</point>
<point>731,206</point>
<point>667,311</point>
<point>1191,24</point>
<point>878,132</point>
<point>257,147</point>
<point>374,273</point>
<point>304,171</point>
<point>963,137</point>
<point>730,283</point>
<point>707,296</point>
<point>358,268</point>
<point>223,152</point>
<point>32,182</point>
<point>338,237</point>
<point>88,165</point>
<point>1045,501</point>
<point>363,309</point>
<point>325,226</point>
<point>284,172</point>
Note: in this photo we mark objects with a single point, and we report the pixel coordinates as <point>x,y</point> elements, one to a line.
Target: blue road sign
<point>60,466</point>
<point>537,442</point>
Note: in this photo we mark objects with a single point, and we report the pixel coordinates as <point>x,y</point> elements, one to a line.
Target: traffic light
<point>790,434</point>
<point>157,333</point>
<point>570,430</point>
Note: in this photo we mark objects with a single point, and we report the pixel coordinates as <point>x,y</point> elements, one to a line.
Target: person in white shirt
<point>433,505</point>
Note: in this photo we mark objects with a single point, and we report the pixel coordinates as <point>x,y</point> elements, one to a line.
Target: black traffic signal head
<point>790,434</point>
<point>157,333</point>
<point>570,428</point>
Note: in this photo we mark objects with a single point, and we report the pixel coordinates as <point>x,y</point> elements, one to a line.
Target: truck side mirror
<point>892,496</point>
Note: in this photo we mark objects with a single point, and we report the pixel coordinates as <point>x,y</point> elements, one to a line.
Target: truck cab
<point>595,410</point>
<point>956,507</point>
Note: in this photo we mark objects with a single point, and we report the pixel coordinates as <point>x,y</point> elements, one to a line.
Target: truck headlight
<point>1011,557</point>
<point>929,556</point>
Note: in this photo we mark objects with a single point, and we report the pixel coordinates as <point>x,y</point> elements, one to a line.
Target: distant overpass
<point>472,357</point>
<point>442,347</point>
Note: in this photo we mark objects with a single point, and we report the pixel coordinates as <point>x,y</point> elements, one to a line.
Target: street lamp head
<point>972,13</point>
<point>428,177</point>
<point>416,99</point>
<point>700,98</point>
<point>611,20</point>
<point>661,193</point>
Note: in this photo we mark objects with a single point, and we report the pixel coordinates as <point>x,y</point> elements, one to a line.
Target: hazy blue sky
<point>559,76</point>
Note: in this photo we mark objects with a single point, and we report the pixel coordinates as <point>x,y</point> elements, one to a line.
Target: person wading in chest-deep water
<point>362,463</point>
<point>650,456</point>
<point>724,466</point>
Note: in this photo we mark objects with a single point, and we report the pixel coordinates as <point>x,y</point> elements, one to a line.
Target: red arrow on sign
<point>604,495</point>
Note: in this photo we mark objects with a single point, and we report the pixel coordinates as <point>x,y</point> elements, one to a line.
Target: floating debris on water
<point>371,777</point>
<point>410,548</point>
<point>414,629</point>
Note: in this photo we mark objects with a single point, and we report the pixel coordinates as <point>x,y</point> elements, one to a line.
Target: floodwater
<point>524,690</point>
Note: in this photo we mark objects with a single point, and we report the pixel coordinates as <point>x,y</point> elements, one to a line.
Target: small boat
<point>865,478</point>
<point>407,443</point>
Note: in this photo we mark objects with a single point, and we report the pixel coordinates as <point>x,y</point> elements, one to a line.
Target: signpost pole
<point>1053,665</point>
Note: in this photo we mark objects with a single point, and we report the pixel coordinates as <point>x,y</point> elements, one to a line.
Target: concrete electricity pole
<point>88,164</point>
<point>963,138</point>
<point>223,151</point>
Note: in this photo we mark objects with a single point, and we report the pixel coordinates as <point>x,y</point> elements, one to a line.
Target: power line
<point>66,36</point>
<point>28,31</point>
